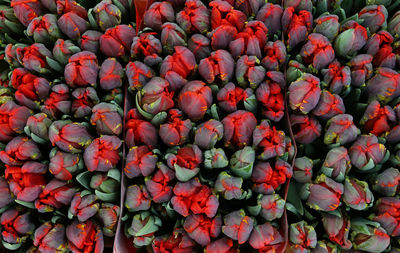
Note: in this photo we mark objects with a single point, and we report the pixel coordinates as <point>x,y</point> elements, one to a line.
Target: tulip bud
<point>85,237</point>
<point>222,36</point>
<point>195,17</point>
<point>208,134</point>
<point>6,196</point>
<point>44,29</point>
<point>357,194</point>
<point>368,236</point>
<point>267,179</point>
<point>302,170</point>
<point>13,120</point>
<point>18,150</point>
<point>54,195</point>
<point>336,164</point>
<point>157,14</point>
<point>361,69</point>
<point>103,153</point>
<point>139,131</point>
<point>83,206</point>
<point>140,161</point>
<point>270,95</point>
<point>84,100</point>
<point>384,85</point>
<point>337,77</point>
<point>9,23</point>
<point>238,128</point>
<point>329,105</point>
<point>138,74</point>
<point>377,119</point>
<point>194,99</point>
<point>296,25</point>
<point>374,17</point>
<point>58,102</point>
<point>305,128</point>
<point>304,93</point>
<point>63,50</point>
<point>230,96</point>
<point>340,130</point>
<point>65,6</point>
<point>238,226</point>
<point>215,159</point>
<point>106,186</point>
<point>223,245</point>
<point>295,70</point>
<point>394,24</point>
<point>200,46</point>
<point>72,25</point>
<point>352,38</point>
<point>108,214</point>
<point>89,41</point>
<point>34,57</point>
<point>81,70</point>
<point>107,118</point>
<point>302,236</point>
<point>64,165</point>
<point>379,45</point>
<point>177,240</point>
<point>265,236</point>
<point>275,55</point>
<point>147,47</point>
<point>159,184</point>
<point>317,51</point>
<point>327,25</point>
<point>366,152</point>
<point>16,226</point>
<point>117,41</point>
<point>50,237</point>
<point>228,186</point>
<point>172,35</point>
<point>143,227</point>
<point>106,14</point>
<point>248,72</point>
<point>201,228</point>
<point>218,66</point>
<point>273,207</point>
<point>111,74</point>
<point>270,140</point>
<point>68,136</point>
<point>271,15</point>
<point>176,131</point>
<point>387,214</point>
<point>387,182</point>
<point>242,162</point>
<point>337,226</point>
<point>25,11</point>
<point>186,162</point>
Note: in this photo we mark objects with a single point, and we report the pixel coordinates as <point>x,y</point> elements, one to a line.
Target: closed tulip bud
<point>54,195</point>
<point>269,140</point>
<point>223,245</point>
<point>352,38</point>
<point>65,6</point>
<point>270,95</point>
<point>379,45</point>
<point>58,103</point>
<point>50,237</point>
<point>159,185</point>
<point>394,25</point>
<point>327,25</point>
<point>104,184</point>
<point>64,165</point>
<point>201,228</point>
<point>387,214</point>
<point>177,240</point>
<point>90,41</point>
<point>83,206</point>
<point>296,25</point>
<point>85,237</point>
<point>378,119</point>
<point>194,99</point>
<point>357,194</point>
<point>340,130</point>
<point>176,130</point>
<point>117,41</point>
<point>305,128</point>
<point>25,11</point>
<point>223,13</point>
<point>384,85</point>
<point>265,236</point>
<point>103,153</point>
<point>139,131</point>
<point>337,77</point>
<point>324,194</point>
<point>34,57</point>
<point>182,62</point>
<point>200,46</point>
<point>273,207</point>
<point>249,7</point>
<point>361,69</point>
<point>140,161</point>
<point>84,101</point>
<point>230,96</point>
<point>368,236</point>
<point>44,29</point>
<point>238,128</point>
<point>222,36</point>
<point>137,198</point>
<point>108,214</point>
<point>317,51</point>
<point>13,120</point>
<point>267,179</point>
<point>16,226</point>
<point>81,70</point>
<point>63,50</point>
<point>374,17</point>
<point>156,96</point>
<point>275,55</point>
<point>26,182</point>
<point>8,21</point>
<point>106,14</point>
<point>336,164</point>
<point>337,226</point>
<point>242,162</point>
<point>68,136</point>
<point>387,182</point>
<point>302,236</point>
<point>107,118</point>
<point>366,152</point>
<point>157,14</point>
<point>143,227</point>
<point>208,134</point>
<point>185,162</point>
<point>72,25</point>
<point>303,170</point>
<point>218,66</point>
<point>248,72</point>
<point>138,74</point>
<point>195,17</point>
<point>6,196</point>
<point>229,186</point>
<point>215,159</point>
<point>18,150</point>
<point>172,35</point>
<point>329,105</point>
<point>10,54</point>
<point>271,15</point>
<point>147,47</point>
<point>304,93</point>
<point>238,226</point>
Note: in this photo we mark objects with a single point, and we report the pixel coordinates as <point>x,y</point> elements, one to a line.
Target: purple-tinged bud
<point>139,131</point>
<point>200,46</point>
<point>223,13</point>
<point>357,194</point>
<point>138,74</point>
<point>26,10</point>
<point>317,51</point>
<point>185,162</point>
<point>378,119</point>
<point>303,170</point>
<point>238,226</point>
<point>147,47</point>
<point>306,128</point>
<point>34,57</point>
<point>249,72</point>
<point>384,85</point>
<point>107,118</point>
<point>140,161</point>
<point>222,36</point>
<point>352,38</point>
<point>361,69</point>
<point>219,66</point>
<point>72,25</point>
<point>270,95</point>
<point>159,185</point>
<point>223,245</point>
<point>327,25</point>
<point>304,93</point>
<point>238,128</point>
<point>103,153</point>
<point>83,101</point>
<point>296,26</point>
<point>229,186</point>
<point>143,227</point>
<point>157,14</point>
<point>44,29</point>
<point>208,134</point>
<point>337,227</point>
<point>81,70</point>
<point>387,214</point>
<point>54,195</point>
<point>271,15</point>
<point>265,236</point>
<point>182,62</point>
<point>215,158</point>
<point>137,198</point>
<point>230,96</point>
<point>302,237</point>
<point>65,6</point>
<point>340,130</point>
<point>50,237</point>
<point>68,136</point>
<point>85,237</point>
<point>108,214</point>
<point>366,152</point>
<point>117,41</point>
<point>194,99</point>
<point>58,103</point>
<point>83,206</point>
<point>16,226</point>
<point>270,140</point>
<point>249,7</point>
<point>64,165</point>
<point>176,130</point>
<point>273,207</point>
<point>172,35</point>
<point>89,41</point>
<point>13,120</point>
<point>329,105</point>
<point>394,25</point>
<point>337,77</point>
<point>368,236</point>
<point>387,182</point>
<point>178,240</point>
<point>106,15</point>
<point>6,196</point>
<point>336,164</point>
<point>379,45</point>
<point>63,50</point>
<point>201,228</point>
<point>267,179</point>
<point>10,55</point>
<point>18,150</point>
<point>374,17</point>
<point>275,55</point>
<point>111,74</point>
<point>195,17</point>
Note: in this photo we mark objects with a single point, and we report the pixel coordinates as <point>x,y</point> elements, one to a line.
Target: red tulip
<point>266,238</point>
<point>271,15</point>
<point>379,45</point>
<point>138,74</point>
<point>275,55</point>
<point>201,228</point>
<point>172,35</point>
<point>103,153</point>
<point>337,77</point>
<point>89,41</point>
<point>139,131</point>
<point>111,74</point>
<point>72,25</point>
<point>146,46</point>
<point>219,65</point>
<point>200,46</point>
<point>33,57</point>
<point>50,237</point>
<point>378,119</point>
<point>317,51</point>
<point>58,102</point>
<point>230,96</point>
<point>305,128</point>
<point>374,17</point>
<point>269,140</point>
<point>222,36</point>
<point>296,25</point>
<point>156,96</point>
<point>159,185</point>
<point>85,237</point>
<point>222,13</point>
<point>64,165</point>
<point>13,120</point>
<point>194,99</point>
<point>54,195</point>
<point>140,161</point>
<point>178,241</point>
<point>249,72</point>
<point>352,38</point>
<point>16,226</point>
<point>182,62</point>
<point>176,130</point>
<point>238,128</point>
<point>26,10</point>
<point>185,162</point>
<point>137,198</point>
<point>68,136</point>
<point>304,93</point>
<point>194,17</point>
<point>18,150</point>
<point>84,100</point>
<point>65,6</point>
<point>361,69</point>
<point>107,118</point>
<point>384,86</point>
<point>238,226</point>
<point>157,14</point>
<point>81,70</point>
<point>117,41</point>
<point>329,105</point>
<point>270,95</point>
<point>266,179</point>
<point>340,130</point>
<point>338,228</point>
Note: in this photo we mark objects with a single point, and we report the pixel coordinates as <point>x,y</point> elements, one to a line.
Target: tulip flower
<point>157,14</point>
<point>172,35</point>
<point>368,236</point>
<point>25,11</point>
<point>63,50</point>
<point>6,196</point>
<point>108,214</point>
<point>270,140</point>
<point>230,96</point>
<point>387,214</point>
<point>337,164</point>
<point>229,186</point>
<point>16,226</point>
<point>50,237</point>
<point>222,36</point>
<point>219,66</point>
<point>137,198</point>
<point>352,38</point>
<point>34,57</point>
<point>143,227</point>
<point>83,206</point>
<point>138,74</point>
<point>194,17</point>
<point>305,128</point>
<point>267,178</point>
<point>9,23</point>
<point>90,41</point>
<point>275,55</point>
<point>18,150</point>
<point>249,7</point>
<point>13,120</point>
<point>387,182</point>
<point>116,41</point>
<point>103,153</point>
<point>147,47</point>
<point>54,195</point>
<point>81,70</point>
<point>265,237</point>
<point>26,182</point>
<point>194,99</point>
<point>68,136</point>
<point>176,130</point>
<point>361,69</point>
<point>107,118</point>
<point>177,240</point>
<point>340,130</point>
<point>378,119</point>
<point>324,194</point>
<point>72,25</point>
<point>208,134</point>
<point>65,6</point>
<point>201,228</point>
<point>111,74</point>
<point>337,227</point>
<point>200,46</point>
<point>270,95</point>
<point>329,105</point>
<point>64,165</point>
<point>272,206</point>
<point>317,51</point>
<point>159,185</point>
<point>304,93</point>
<point>224,245</point>
<point>327,25</point>
<point>106,15</point>
<point>186,162</point>
<point>222,13</point>
<point>248,72</point>
<point>379,46</point>
<point>85,237</point>
<point>238,128</point>
<point>384,85</point>
<point>357,194</point>
<point>302,236</point>
<point>215,158</point>
<point>302,170</point>
<point>337,77</point>
<point>374,17</point>
<point>10,54</point>
<point>271,15</point>
<point>84,100</point>
<point>139,131</point>
<point>366,152</point>
<point>238,226</point>
<point>44,29</point>
<point>58,102</point>
<point>296,25</point>
<point>140,161</point>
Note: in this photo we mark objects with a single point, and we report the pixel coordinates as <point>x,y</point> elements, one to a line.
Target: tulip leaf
<point>114,174</point>
<point>150,227</point>
<point>54,64</point>
<point>214,112</point>
<point>11,246</point>
<point>84,179</point>
<point>243,172</point>
<point>37,139</point>
<point>26,204</point>
<point>254,210</point>
<point>293,197</point>
<point>92,21</point>
<point>159,118</point>
<point>145,114</point>
<point>183,174</point>
<point>70,215</point>
<point>293,209</point>
<point>109,197</point>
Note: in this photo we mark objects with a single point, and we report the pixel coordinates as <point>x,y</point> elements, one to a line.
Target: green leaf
<point>183,174</point>
<point>293,197</point>
<point>150,227</point>
<point>26,204</point>
<point>84,179</point>
<point>114,174</point>
<point>11,246</point>
<point>108,197</point>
